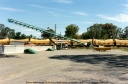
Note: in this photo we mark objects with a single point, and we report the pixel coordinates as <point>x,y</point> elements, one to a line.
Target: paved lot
<point>79,66</point>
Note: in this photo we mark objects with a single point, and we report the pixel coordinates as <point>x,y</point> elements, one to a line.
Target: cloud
<point>63,1</point>
<point>58,14</point>
<point>55,14</point>
<point>11,9</point>
<point>52,11</point>
<point>80,13</point>
<point>44,7</point>
<point>88,22</point>
<point>126,5</point>
<point>118,18</point>
<point>37,6</point>
<point>125,8</point>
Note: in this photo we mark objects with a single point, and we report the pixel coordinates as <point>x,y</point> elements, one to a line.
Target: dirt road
<point>65,67</point>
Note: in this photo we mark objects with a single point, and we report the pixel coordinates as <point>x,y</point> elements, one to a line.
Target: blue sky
<point>47,13</point>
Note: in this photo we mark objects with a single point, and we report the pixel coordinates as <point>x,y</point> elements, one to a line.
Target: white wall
<point>1,49</point>
<point>10,49</point>
<point>38,48</point>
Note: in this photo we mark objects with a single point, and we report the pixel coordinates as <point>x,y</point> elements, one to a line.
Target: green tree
<point>102,31</point>
<point>126,32</point>
<point>109,30</point>
<point>11,33</point>
<point>23,36</point>
<point>119,33</point>
<point>6,32</point>
<point>85,35</point>
<point>2,27</point>
<point>71,31</point>
<point>93,31</point>
<point>49,33</point>
<point>17,35</point>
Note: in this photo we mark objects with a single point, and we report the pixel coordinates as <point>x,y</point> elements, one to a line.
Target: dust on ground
<point>79,66</point>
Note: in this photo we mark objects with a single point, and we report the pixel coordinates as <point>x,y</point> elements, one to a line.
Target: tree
<point>85,35</point>
<point>17,35</point>
<point>109,30</point>
<point>11,33</point>
<point>49,33</point>
<point>119,33</point>
<point>93,31</point>
<point>102,31</point>
<point>2,26</point>
<point>6,32</point>
<point>23,36</point>
<point>126,32</point>
<point>71,31</point>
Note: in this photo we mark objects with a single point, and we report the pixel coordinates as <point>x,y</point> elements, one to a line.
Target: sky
<point>47,13</point>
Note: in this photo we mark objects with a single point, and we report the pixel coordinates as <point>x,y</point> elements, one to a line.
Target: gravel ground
<point>79,66</point>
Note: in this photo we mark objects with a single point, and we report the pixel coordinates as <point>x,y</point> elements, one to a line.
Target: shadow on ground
<point>111,60</point>
<point>9,56</point>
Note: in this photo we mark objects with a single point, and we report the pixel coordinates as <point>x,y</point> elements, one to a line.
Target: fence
<point>10,49</point>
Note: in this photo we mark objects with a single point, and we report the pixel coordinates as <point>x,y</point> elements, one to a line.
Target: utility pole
<point>60,35</point>
<point>55,31</point>
<point>55,28</point>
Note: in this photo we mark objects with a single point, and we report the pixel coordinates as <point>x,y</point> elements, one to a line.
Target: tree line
<point>97,31</point>
<point>6,32</point>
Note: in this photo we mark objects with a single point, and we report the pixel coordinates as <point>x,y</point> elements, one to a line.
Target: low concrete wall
<point>38,48</point>
<point>10,49</point>
<point>1,49</point>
